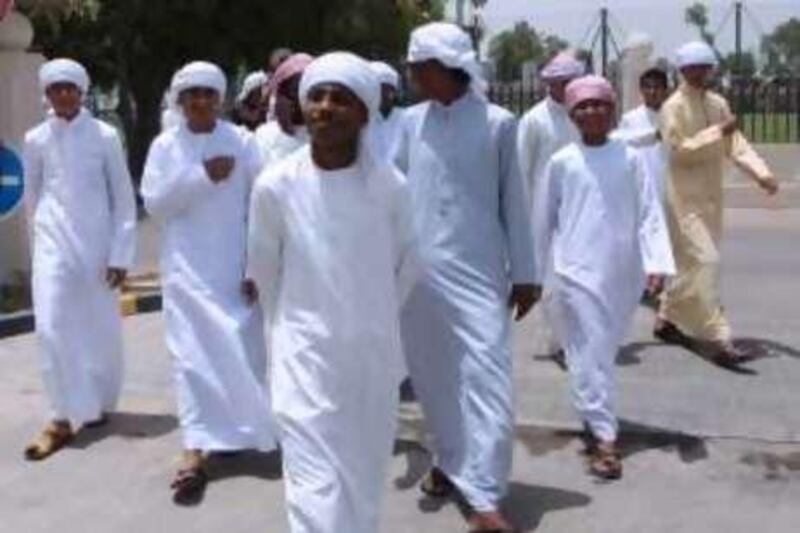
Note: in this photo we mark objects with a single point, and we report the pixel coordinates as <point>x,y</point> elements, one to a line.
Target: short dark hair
<point>657,74</point>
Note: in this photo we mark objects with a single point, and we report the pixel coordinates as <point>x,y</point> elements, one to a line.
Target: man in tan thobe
<point>700,132</point>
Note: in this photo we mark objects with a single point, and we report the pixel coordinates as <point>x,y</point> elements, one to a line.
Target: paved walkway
<point>707,450</point>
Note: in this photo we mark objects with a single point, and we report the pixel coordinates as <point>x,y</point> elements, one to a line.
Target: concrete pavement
<point>706,449</point>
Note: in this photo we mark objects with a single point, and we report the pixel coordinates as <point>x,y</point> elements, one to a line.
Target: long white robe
<point>82,215</point>
<point>332,253</point>
<point>275,144</point>
<point>639,127</point>
<point>542,132</point>
<point>216,339</point>
<point>603,219</point>
<point>472,219</point>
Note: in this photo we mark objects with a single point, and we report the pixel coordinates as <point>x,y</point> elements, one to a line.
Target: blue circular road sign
<point>11,181</point>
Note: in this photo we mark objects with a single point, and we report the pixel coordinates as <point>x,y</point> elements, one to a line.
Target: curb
<point>130,303</point>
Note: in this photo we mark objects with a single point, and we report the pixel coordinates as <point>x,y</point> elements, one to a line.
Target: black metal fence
<point>768,108</point>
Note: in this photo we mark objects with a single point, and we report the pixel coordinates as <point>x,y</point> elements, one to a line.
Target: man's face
<point>252,109</point>
<point>287,106</point>
<point>428,79</point>
<point>557,88</point>
<point>697,76</point>
<point>654,92</point>
<point>388,99</point>
<point>201,106</point>
<point>594,118</point>
<point>334,115</point>
<point>64,98</point>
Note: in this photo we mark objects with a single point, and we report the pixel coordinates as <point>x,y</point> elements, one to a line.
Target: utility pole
<point>737,66</point>
<point>460,12</point>
<point>604,38</point>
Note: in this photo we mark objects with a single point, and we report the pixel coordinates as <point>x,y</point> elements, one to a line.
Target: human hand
<point>769,184</point>
<point>115,277</point>
<point>219,168</point>
<point>249,291</point>
<point>655,284</point>
<point>729,125</point>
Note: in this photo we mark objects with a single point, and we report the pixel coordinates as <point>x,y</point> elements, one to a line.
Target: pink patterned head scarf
<point>563,66</point>
<point>589,88</point>
<point>294,65</point>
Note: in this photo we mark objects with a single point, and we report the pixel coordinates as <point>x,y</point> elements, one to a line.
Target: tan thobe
<point>698,148</point>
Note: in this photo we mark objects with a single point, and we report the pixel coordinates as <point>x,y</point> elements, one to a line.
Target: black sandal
<point>668,333</point>
<point>436,484</point>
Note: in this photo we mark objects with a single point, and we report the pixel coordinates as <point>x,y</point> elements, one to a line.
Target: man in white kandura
<point>391,114</point>
<point>287,133</point>
<point>82,219</point>
<point>546,128</point>
<point>197,184</point>
<point>250,109</point>
<point>640,127</point>
<point>543,131</point>
<point>604,228</point>
<point>477,265</point>
<point>332,251</point>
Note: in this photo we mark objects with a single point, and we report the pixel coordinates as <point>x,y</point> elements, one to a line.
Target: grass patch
<point>771,127</point>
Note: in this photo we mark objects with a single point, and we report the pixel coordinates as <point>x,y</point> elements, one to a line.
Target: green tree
<point>136,45</point>
<point>747,67</point>
<point>697,15</point>
<point>512,48</point>
<point>782,49</point>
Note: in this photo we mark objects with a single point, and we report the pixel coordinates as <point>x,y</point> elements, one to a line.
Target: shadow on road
<point>765,348</point>
<point>628,355</point>
<point>635,438</point>
<point>525,505</point>
<point>541,441</point>
<point>267,466</point>
<point>128,426</point>
<point>754,348</point>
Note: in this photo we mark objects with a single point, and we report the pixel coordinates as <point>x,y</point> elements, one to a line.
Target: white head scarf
<point>63,71</point>
<point>254,80</point>
<point>563,66</point>
<point>199,74</point>
<point>356,74</point>
<point>695,53</point>
<point>451,46</point>
<point>386,74</point>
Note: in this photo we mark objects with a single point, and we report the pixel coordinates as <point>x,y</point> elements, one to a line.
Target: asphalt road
<point>706,450</point>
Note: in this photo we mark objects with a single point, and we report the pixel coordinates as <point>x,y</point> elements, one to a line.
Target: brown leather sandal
<point>53,438</point>
<point>605,463</point>
<point>189,485</point>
